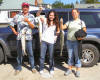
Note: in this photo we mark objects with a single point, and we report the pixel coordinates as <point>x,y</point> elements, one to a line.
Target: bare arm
<point>84,29</point>
<point>14,31</point>
<point>39,11</point>
<point>64,26</point>
<point>61,24</point>
<point>29,23</point>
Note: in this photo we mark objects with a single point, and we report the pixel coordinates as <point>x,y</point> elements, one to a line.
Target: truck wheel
<point>1,55</point>
<point>90,55</point>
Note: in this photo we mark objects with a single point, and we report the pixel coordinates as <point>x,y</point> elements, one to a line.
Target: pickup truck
<point>90,45</point>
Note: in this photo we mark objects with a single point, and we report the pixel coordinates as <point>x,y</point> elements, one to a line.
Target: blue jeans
<point>73,58</point>
<point>20,54</point>
<point>44,47</point>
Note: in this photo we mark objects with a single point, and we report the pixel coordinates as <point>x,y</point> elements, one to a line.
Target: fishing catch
<point>61,38</point>
<point>37,24</point>
<point>23,40</point>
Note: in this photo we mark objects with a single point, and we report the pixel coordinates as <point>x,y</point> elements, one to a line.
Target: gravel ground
<point>7,73</point>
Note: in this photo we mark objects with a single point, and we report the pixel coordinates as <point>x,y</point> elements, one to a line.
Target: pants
<point>20,54</point>
<point>44,47</point>
<point>73,58</point>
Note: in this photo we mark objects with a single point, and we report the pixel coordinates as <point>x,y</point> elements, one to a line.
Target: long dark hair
<point>55,21</point>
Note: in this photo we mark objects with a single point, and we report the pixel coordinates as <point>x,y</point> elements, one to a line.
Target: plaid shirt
<point>18,20</point>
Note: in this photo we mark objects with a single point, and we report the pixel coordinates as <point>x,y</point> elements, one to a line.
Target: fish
<point>23,40</point>
<point>38,24</point>
<point>61,38</point>
<point>61,42</point>
<point>39,31</point>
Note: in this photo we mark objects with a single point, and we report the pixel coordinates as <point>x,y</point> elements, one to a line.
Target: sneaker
<point>33,70</point>
<point>69,71</point>
<point>41,72</point>
<point>17,72</point>
<point>52,72</point>
<point>77,74</point>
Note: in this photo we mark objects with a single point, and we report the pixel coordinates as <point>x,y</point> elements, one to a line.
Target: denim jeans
<point>44,47</point>
<point>20,54</point>
<point>73,58</point>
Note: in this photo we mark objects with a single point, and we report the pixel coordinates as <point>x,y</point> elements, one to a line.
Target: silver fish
<point>61,42</point>
<point>39,31</point>
<point>37,24</point>
<point>61,38</point>
<point>23,40</point>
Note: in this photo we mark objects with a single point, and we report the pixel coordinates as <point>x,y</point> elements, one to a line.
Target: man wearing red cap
<point>24,20</point>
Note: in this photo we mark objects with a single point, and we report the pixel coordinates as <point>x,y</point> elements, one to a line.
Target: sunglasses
<point>25,6</point>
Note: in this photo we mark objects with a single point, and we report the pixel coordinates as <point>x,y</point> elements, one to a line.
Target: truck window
<point>64,15</point>
<point>70,16</point>
<point>92,19</point>
<point>34,13</point>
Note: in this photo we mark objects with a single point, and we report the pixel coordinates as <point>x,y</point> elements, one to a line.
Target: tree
<point>91,1</point>
<point>72,5</point>
<point>98,2</point>
<point>1,1</point>
<point>58,4</point>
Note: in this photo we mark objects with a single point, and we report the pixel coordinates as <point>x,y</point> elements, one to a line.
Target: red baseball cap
<point>25,4</point>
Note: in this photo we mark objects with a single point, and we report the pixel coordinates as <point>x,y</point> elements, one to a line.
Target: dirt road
<point>7,73</point>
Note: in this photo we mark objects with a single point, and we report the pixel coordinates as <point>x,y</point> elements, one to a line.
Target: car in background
<point>90,45</point>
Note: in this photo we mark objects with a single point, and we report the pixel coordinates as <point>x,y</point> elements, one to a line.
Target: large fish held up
<point>23,40</point>
<point>37,24</point>
<point>61,38</point>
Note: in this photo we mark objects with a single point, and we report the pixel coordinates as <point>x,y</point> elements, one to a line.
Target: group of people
<point>51,30</point>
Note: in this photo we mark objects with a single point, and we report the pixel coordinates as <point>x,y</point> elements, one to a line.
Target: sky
<point>64,1</point>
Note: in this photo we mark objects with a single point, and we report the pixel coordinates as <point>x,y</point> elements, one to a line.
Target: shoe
<point>69,71</point>
<point>41,72</point>
<point>17,72</point>
<point>77,74</point>
<point>52,72</point>
<point>33,70</point>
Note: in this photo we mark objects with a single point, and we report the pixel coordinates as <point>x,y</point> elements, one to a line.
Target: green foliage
<point>91,1</point>
<point>98,2</point>
<point>58,4</point>
<point>1,1</point>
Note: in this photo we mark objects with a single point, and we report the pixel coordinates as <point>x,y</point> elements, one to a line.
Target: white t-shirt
<point>74,26</point>
<point>48,34</point>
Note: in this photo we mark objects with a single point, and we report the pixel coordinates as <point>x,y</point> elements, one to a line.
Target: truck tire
<point>1,55</point>
<point>90,55</point>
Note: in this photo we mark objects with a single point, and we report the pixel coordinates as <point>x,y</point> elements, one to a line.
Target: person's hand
<point>42,19</point>
<point>61,20</point>
<point>26,19</point>
<point>57,33</point>
<point>55,38</point>
<point>40,8</point>
<point>16,33</point>
<point>61,23</point>
<point>80,38</point>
